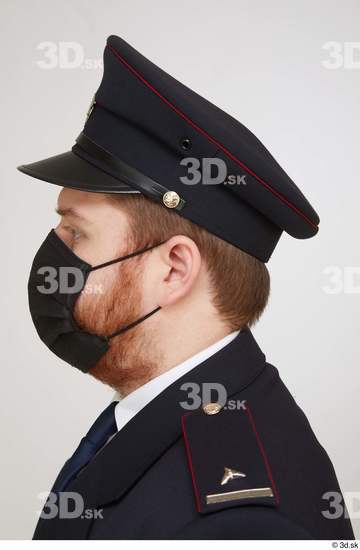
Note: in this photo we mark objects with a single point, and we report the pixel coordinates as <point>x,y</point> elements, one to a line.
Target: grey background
<point>261,61</point>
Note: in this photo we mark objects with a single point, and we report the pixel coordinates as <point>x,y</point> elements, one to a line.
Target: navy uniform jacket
<point>163,475</point>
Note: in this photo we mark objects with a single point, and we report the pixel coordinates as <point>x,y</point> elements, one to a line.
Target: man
<point>169,211</point>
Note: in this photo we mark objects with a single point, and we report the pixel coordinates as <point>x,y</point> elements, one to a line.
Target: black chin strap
<point>133,324</point>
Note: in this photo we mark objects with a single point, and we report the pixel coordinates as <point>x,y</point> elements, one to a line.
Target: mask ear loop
<point>111,262</point>
<point>133,324</point>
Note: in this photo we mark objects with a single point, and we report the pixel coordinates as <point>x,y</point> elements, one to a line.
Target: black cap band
<point>120,169</point>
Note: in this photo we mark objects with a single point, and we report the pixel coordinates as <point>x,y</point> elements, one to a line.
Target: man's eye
<point>74,232</point>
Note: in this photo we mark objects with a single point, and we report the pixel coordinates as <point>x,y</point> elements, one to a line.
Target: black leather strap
<point>126,173</point>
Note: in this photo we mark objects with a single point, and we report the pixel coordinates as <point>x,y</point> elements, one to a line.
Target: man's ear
<point>181,263</point>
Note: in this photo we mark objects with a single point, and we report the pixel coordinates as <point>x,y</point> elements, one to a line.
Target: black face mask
<point>56,280</point>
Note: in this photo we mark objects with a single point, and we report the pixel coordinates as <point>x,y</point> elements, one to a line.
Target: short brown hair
<point>240,282</point>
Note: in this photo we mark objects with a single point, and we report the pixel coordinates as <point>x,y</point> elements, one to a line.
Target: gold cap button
<point>171,199</point>
<point>211,408</point>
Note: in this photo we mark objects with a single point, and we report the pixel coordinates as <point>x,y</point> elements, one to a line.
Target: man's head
<point>205,287</point>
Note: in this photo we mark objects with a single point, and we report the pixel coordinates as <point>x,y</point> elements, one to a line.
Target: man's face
<point>97,230</point>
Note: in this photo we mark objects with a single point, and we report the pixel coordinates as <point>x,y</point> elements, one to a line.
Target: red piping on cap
<point>209,137</point>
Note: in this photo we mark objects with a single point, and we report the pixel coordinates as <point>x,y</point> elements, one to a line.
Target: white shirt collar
<point>130,405</point>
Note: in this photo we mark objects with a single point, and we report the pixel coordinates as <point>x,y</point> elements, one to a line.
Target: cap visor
<point>69,170</point>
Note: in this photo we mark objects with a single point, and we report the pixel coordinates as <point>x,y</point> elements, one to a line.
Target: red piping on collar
<point>209,137</point>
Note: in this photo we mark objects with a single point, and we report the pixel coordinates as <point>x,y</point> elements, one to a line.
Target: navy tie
<point>103,427</point>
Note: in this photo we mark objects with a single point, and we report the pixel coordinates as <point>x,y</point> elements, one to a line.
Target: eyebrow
<point>70,212</point>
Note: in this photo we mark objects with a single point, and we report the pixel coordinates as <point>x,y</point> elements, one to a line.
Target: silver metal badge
<point>230,474</point>
<point>259,492</point>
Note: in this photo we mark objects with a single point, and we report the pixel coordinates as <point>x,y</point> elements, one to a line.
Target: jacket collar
<point>132,404</point>
<point>235,366</point>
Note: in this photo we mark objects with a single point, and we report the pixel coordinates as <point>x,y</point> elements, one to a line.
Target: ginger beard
<point>125,366</point>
